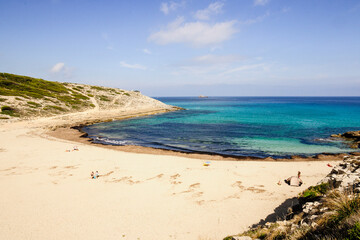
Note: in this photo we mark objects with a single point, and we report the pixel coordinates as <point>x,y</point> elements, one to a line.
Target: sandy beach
<point>47,192</point>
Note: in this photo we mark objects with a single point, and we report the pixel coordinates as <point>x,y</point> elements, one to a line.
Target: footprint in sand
<point>195,185</point>
<point>238,184</point>
<point>174,178</point>
<point>235,195</point>
<point>71,167</point>
<point>255,190</point>
<point>200,202</point>
<point>127,180</point>
<point>157,176</point>
<point>192,188</point>
<point>198,194</point>
<point>107,174</point>
<point>7,169</point>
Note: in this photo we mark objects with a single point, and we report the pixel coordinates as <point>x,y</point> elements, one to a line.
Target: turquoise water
<point>240,126</point>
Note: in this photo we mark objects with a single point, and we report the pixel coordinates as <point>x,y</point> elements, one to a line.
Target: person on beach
<point>92,174</point>
<point>96,174</point>
<point>294,181</point>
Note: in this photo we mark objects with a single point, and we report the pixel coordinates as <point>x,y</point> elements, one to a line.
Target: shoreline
<point>75,134</point>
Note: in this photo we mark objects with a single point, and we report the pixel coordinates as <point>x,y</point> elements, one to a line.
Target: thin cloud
<point>147,51</point>
<point>195,33</point>
<point>255,20</point>
<point>58,67</point>
<point>107,39</point>
<point>132,66</point>
<point>208,65</point>
<point>245,67</point>
<point>61,71</point>
<point>211,59</point>
<point>212,9</point>
<point>261,2</point>
<point>167,7</point>
<point>285,9</point>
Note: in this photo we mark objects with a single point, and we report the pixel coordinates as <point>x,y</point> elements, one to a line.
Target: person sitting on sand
<point>92,174</point>
<point>294,181</point>
<point>96,174</point>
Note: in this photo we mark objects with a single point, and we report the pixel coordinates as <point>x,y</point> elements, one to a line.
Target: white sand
<point>47,193</point>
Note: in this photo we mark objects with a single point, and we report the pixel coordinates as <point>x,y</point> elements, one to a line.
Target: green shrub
<point>315,191</point>
<point>354,232</point>
<point>104,98</point>
<point>98,88</point>
<point>69,100</point>
<point>262,236</point>
<point>51,100</point>
<point>80,96</point>
<point>127,94</point>
<point>92,105</point>
<point>16,85</point>
<point>90,95</point>
<point>344,206</point>
<point>280,236</point>
<point>3,99</point>
<point>33,104</point>
<point>6,108</point>
<point>228,238</point>
<point>57,108</point>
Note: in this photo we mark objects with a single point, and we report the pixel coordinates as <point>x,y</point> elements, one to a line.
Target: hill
<point>23,97</point>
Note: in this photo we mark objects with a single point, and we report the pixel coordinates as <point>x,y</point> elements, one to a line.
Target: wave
<point>108,141</point>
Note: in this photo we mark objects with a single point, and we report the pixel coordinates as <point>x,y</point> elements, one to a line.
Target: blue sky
<point>187,47</point>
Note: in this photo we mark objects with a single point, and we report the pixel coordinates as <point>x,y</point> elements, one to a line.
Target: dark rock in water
<point>335,135</point>
<point>352,136</point>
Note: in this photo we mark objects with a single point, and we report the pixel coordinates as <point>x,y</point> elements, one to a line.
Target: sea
<point>260,127</point>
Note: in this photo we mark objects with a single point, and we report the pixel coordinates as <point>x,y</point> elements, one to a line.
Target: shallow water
<point>240,126</point>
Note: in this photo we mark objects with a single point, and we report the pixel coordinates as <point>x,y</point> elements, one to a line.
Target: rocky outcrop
<point>346,175</point>
<point>353,137</point>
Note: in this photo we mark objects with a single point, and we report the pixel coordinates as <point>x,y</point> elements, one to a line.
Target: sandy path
<point>46,192</point>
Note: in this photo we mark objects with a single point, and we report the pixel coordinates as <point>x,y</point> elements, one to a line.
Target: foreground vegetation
<point>26,97</point>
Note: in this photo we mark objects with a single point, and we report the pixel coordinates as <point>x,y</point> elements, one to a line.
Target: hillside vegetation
<point>27,97</point>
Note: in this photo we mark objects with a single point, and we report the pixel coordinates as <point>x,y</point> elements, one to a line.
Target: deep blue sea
<point>240,126</point>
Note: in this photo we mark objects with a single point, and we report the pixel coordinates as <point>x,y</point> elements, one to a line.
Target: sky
<point>187,47</point>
